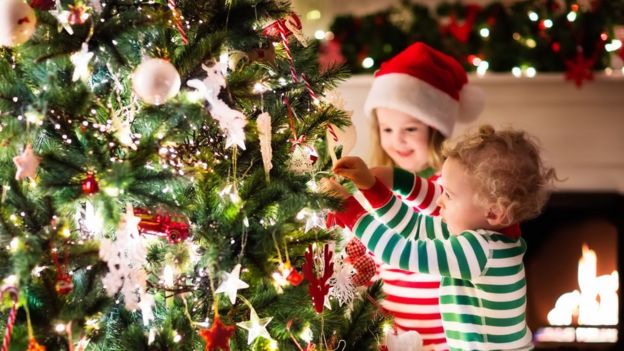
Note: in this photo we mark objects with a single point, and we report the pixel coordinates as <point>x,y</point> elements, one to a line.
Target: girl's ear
<point>497,216</point>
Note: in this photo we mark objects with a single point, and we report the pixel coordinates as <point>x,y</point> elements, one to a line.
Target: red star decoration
<point>218,336</point>
<point>580,68</point>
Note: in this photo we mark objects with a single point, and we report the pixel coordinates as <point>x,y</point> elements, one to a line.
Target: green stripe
<point>458,335</point>
<point>504,271</point>
<point>423,260</point>
<point>387,207</point>
<point>430,227</point>
<point>405,257</point>
<point>426,173</point>
<point>410,226</point>
<point>377,234</point>
<point>476,248</point>
<point>402,181</point>
<point>503,289</point>
<point>442,260</point>
<point>507,253</point>
<point>462,318</point>
<point>363,224</point>
<point>418,222</point>
<point>505,322</point>
<point>394,222</point>
<point>500,339</point>
<point>459,300</point>
<point>462,262</point>
<point>387,252</point>
<point>503,305</point>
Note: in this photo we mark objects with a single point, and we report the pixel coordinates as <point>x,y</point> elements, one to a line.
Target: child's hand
<point>356,170</point>
<point>331,187</point>
<point>384,174</point>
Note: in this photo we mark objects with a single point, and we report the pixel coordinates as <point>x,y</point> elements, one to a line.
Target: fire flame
<point>597,301</point>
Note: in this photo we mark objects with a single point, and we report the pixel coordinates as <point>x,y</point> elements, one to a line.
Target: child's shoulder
<point>497,238</point>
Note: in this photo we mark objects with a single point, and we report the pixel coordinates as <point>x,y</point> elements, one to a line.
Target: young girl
<point>413,104</point>
<point>492,181</point>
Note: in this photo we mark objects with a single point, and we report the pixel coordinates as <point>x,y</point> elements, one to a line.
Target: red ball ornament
<point>355,248</point>
<point>64,285</point>
<point>90,184</point>
<point>294,278</point>
<point>43,5</point>
<point>365,270</point>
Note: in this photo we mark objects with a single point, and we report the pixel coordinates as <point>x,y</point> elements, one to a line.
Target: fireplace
<point>574,266</point>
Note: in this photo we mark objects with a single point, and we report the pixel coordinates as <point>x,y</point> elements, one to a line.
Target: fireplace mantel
<point>580,130</point>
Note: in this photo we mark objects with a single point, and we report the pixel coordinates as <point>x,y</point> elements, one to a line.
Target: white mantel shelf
<point>580,130</point>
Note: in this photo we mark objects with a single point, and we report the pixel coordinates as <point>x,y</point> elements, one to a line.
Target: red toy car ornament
<point>174,227</point>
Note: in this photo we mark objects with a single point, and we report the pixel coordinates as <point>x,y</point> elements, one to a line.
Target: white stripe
<point>418,323</point>
<point>411,308</point>
<point>451,259</point>
<point>368,231</point>
<point>474,292</point>
<point>421,194</point>
<point>410,292</point>
<point>437,225</point>
<point>413,258</point>
<point>504,262</point>
<point>383,242</point>
<point>482,311</point>
<point>388,272</point>
<point>432,257</point>
<point>396,253</point>
<point>502,280</point>
<point>401,227</point>
<point>392,212</point>
<point>475,270</point>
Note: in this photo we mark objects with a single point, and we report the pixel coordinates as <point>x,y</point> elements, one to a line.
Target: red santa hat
<point>428,85</point>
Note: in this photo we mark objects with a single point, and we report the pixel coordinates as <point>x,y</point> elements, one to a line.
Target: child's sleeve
<point>397,215</point>
<point>463,256</point>
<point>417,192</point>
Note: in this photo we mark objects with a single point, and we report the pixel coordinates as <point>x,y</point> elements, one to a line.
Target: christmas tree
<point>159,169</point>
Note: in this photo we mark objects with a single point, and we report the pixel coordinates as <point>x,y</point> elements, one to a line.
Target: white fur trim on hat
<point>471,103</point>
<point>415,97</point>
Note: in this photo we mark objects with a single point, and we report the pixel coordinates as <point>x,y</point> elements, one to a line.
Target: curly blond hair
<point>506,170</point>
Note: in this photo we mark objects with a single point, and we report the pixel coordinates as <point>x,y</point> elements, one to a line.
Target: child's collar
<point>426,173</point>
<point>513,231</point>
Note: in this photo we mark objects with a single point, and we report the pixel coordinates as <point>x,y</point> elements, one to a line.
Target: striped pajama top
<point>483,286</point>
<point>411,298</point>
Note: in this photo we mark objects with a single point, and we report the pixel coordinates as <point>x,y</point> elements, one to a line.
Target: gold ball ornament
<point>155,81</point>
<point>17,22</point>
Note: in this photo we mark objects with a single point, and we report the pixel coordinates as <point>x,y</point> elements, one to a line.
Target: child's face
<point>458,207</point>
<point>404,138</point>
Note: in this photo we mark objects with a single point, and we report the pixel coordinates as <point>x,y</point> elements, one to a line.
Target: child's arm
<point>390,210</point>
<point>419,193</point>
<point>463,256</point>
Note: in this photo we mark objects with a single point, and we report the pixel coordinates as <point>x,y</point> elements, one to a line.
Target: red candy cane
<point>178,20</point>
<point>282,32</point>
<point>9,330</point>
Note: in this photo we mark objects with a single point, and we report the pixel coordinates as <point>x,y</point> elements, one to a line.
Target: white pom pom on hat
<point>428,85</point>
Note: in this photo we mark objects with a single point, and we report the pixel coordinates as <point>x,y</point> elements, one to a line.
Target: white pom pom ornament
<point>155,81</point>
<point>17,22</point>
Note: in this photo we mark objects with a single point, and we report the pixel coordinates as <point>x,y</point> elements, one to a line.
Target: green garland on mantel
<point>524,37</point>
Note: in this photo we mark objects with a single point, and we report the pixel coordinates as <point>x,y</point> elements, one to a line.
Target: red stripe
<point>436,212</point>
<point>417,316</point>
<point>407,284</point>
<point>427,200</point>
<point>434,341</point>
<point>413,300</point>
<point>416,189</point>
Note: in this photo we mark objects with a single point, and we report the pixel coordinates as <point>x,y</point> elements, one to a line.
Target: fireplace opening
<point>574,266</point>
